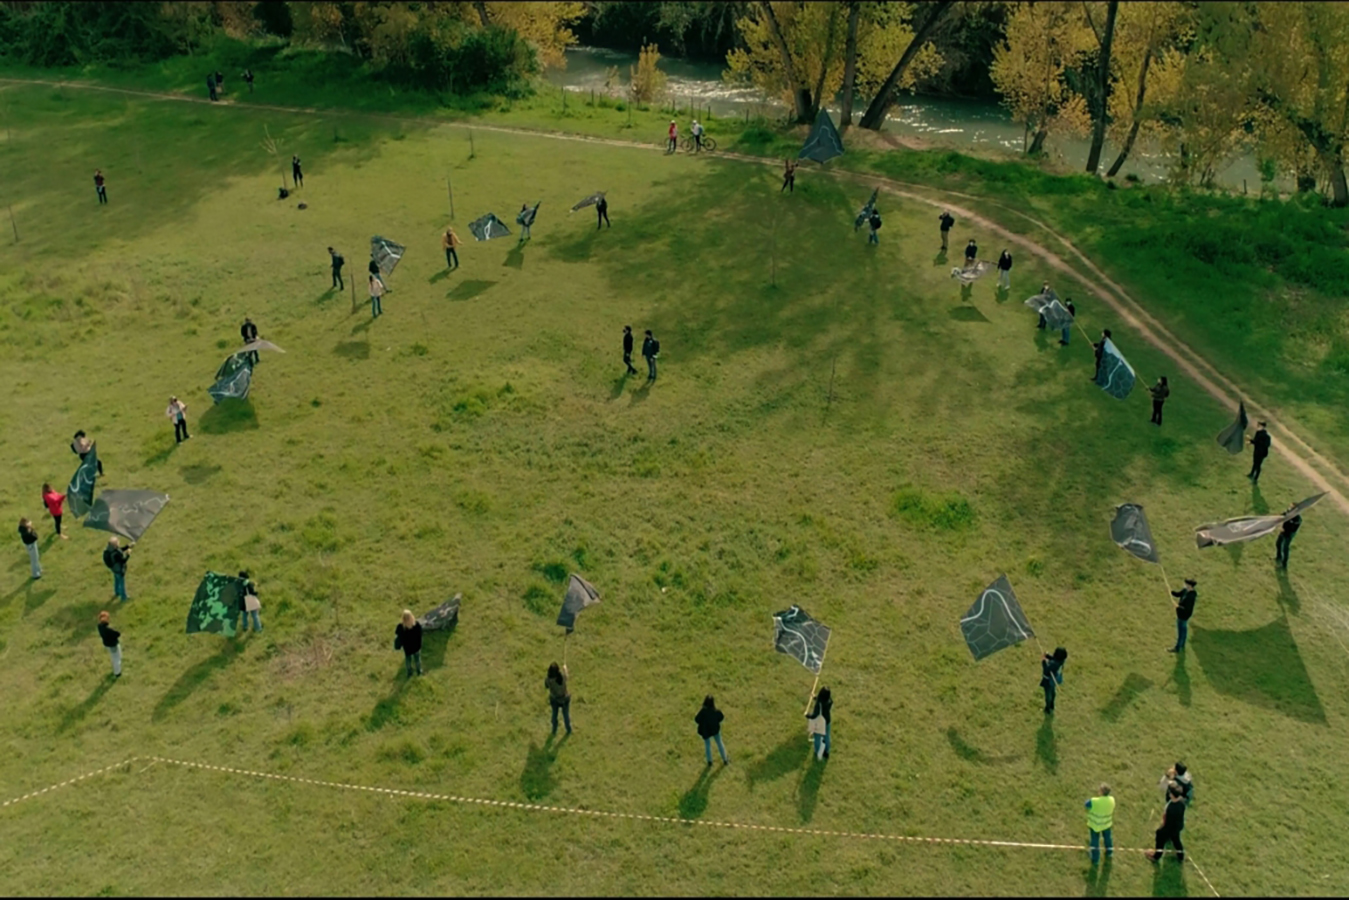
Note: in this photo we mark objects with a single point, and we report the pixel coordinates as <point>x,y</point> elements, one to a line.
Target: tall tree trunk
<point>1107,37</point>
<point>850,62</point>
<point>481,7</point>
<point>800,93</point>
<point>1138,115</point>
<point>1339,188</point>
<point>1037,145</point>
<point>817,98</point>
<point>874,117</point>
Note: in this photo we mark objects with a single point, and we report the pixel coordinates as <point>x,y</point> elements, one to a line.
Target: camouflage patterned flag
<point>215,608</point>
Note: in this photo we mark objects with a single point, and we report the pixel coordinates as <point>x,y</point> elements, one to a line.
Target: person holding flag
<point>1281,543</point>
<point>53,501</point>
<point>559,698</point>
<point>1051,675</point>
<point>1184,604</point>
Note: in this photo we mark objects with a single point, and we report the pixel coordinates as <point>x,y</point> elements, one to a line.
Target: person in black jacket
<point>1005,271</point>
<point>248,79</point>
<point>338,261</point>
<point>602,214</point>
<point>1284,540</point>
<point>373,268</point>
<point>1260,441</point>
<point>115,558</point>
<point>627,349</point>
<point>1159,391</point>
<point>408,637</point>
<point>28,534</point>
<point>1051,675</point>
<point>210,86</point>
<point>1099,348</point>
<point>112,640</point>
<point>822,710</point>
<point>946,220</point>
<point>80,445</point>
<point>650,347</point>
<point>1173,823</point>
<point>296,175</point>
<point>971,251</point>
<point>249,332</point>
<point>1184,604</point>
<point>874,227</point>
<point>709,729</point>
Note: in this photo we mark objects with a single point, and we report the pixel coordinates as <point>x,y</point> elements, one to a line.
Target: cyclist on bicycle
<point>697,130</point>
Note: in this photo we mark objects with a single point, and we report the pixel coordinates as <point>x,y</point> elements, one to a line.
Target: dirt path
<point>1292,447</point>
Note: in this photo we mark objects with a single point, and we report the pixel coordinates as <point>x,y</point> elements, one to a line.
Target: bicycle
<point>687,145</point>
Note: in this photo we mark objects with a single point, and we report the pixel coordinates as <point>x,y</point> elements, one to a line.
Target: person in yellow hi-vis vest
<point>1100,819</point>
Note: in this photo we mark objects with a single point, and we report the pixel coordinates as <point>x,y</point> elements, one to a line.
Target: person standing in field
<point>709,720</point>
<point>627,349</point>
<point>248,79</point>
<point>1051,675</point>
<point>53,500</point>
<point>1181,778</point>
<point>100,187</point>
<point>820,722</point>
<point>696,129</point>
<point>650,350</point>
<point>373,268</point>
<point>249,604</point>
<point>115,557</point>
<point>1005,271</point>
<point>177,413</point>
<point>1099,348</point>
<point>971,251</point>
<point>1173,823</point>
<point>210,86</point>
<point>1281,543</point>
<point>450,243</point>
<point>376,292</point>
<point>946,220</point>
<point>559,698</point>
<point>788,177</point>
<point>672,137</point>
<point>602,213</point>
<point>296,175</point>
<point>1044,289</point>
<point>220,81</point>
<point>1260,442</point>
<point>1184,604</point>
<point>407,636</point>
<point>80,445</point>
<point>28,534</point>
<point>337,261</point>
<point>1100,821</point>
<point>1068,329</point>
<point>874,227</point>
<point>249,332</point>
<point>1159,391</point>
<point>112,640</point>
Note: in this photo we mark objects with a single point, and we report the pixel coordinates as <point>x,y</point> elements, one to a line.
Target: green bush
<point>67,34</point>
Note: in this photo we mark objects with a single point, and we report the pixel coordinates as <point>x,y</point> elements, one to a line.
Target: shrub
<point>648,81</point>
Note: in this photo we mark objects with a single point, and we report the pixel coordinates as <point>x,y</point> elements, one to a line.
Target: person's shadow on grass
<point>966,293</point>
<point>939,260</point>
<point>1001,294</point>
<point>1258,504</point>
<point>192,679</point>
<point>1182,680</point>
<point>1168,878</point>
<point>808,790</point>
<point>620,383</point>
<point>782,759</point>
<point>439,277</point>
<point>1288,597</point>
<point>694,802</point>
<point>1046,745</point>
<point>515,257</point>
<point>537,781</point>
<point>1098,878</point>
<point>641,393</point>
<point>75,714</point>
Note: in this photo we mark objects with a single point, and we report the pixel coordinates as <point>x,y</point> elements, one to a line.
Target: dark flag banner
<point>865,212</point>
<point>486,227</point>
<point>385,253</point>
<point>233,379</point>
<point>824,142</point>
<point>128,513</point>
<point>215,608</point>
<point>443,616</point>
<point>1233,437</point>
<point>995,621</point>
<point>1116,377</point>
<point>970,274</point>
<point>1048,305</point>
<point>1129,529</point>
<point>80,493</point>
<point>799,636</point>
<point>1248,528</point>
<point>580,594</point>
<point>526,216</point>
<point>588,201</point>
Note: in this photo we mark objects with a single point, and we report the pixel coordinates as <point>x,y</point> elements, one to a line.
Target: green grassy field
<point>479,438</point>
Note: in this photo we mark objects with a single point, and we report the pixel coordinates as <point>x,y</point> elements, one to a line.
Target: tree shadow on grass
<point>229,416</point>
<point>80,620</point>
<point>537,781</point>
<point>352,349</point>
<point>973,754</point>
<point>1261,666</point>
<point>1134,685</point>
<point>694,802</point>
<point>1046,745</point>
<point>467,290</point>
<point>76,714</point>
<point>193,678</point>
<point>783,759</point>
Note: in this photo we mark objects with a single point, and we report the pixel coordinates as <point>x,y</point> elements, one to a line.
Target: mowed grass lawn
<point>480,438</point>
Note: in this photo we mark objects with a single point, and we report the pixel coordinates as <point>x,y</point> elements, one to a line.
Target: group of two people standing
<point>650,350</point>
<point>819,726</point>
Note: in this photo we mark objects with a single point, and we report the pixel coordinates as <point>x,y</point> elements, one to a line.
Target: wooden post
<point>471,152</point>
<point>13,224</point>
<point>832,371</point>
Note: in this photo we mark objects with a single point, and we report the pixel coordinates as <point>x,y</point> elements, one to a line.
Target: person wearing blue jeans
<point>1100,822</point>
<point>408,638</point>
<point>1068,329</point>
<point>709,720</point>
<point>1184,604</point>
<point>250,590</point>
<point>819,730</point>
<point>559,698</point>
<point>115,558</point>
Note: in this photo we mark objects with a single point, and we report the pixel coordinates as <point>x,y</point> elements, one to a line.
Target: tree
<point>648,81</point>
<point>1043,41</point>
<point>874,117</point>
<point>545,25</point>
<point>1145,43</point>
<point>1101,84</point>
<point>850,61</point>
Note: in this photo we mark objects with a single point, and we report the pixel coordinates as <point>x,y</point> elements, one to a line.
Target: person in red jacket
<point>672,137</point>
<point>53,500</point>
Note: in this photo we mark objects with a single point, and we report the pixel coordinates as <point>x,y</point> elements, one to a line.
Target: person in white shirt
<point>177,413</point>
<point>697,130</point>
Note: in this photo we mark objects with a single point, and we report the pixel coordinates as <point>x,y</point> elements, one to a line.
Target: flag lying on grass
<point>215,608</point>
<point>80,493</point>
<point>580,594</point>
<point>1115,377</point>
<point>799,636</point>
<point>995,621</point>
<point>128,513</point>
<point>824,142</point>
<point>385,253</point>
<point>1233,437</point>
<point>1248,528</point>
<point>1129,529</point>
<point>970,274</point>
<point>486,227</point>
